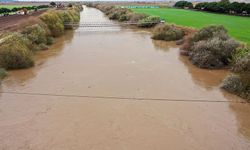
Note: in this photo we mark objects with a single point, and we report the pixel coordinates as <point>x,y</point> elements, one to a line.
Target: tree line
<point>5,10</point>
<point>224,6</point>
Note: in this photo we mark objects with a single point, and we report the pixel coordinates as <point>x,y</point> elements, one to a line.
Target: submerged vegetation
<point>167,33</point>
<point>3,74</point>
<point>149,22</point>
<point>15,52</point>
<point>239,82</point>
<point>17,49</point>
<point>211,47</point>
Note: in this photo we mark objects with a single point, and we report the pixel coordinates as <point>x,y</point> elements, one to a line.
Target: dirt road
<point>74,98</point>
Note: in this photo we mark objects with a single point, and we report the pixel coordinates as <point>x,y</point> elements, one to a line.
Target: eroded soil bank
<point>118,62</point>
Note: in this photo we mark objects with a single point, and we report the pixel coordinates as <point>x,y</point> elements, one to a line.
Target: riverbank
<point>17,48</point>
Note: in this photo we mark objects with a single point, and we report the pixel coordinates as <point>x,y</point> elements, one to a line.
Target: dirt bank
<point>16,22</point>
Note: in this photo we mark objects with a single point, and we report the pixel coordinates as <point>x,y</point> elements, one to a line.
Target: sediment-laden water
<point>44,108</point>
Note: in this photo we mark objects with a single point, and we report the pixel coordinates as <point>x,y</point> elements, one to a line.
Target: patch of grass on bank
<point>238,27</point>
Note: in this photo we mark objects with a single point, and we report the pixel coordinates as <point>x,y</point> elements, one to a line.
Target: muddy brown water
<point>118,62</point>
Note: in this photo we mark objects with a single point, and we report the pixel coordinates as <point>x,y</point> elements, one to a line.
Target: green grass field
<point>12,6</point>
<point>238,27</point>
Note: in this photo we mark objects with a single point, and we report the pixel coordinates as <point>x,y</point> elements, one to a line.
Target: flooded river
<point>80,96</point>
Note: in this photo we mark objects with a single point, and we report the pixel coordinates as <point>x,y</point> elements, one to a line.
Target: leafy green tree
<point>4,10</point>
<point>52,3</point>
<point>183,4</point>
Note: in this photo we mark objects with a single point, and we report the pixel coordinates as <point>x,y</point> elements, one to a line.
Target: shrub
<point>71,17</point>
<point>14,52</point>
<point>211,47</point>
<point>36,34</point>
<point>149,22</point>
<point>183,4</point>
<point>135,17</point>
<point>43,46</point>
<point>66,17</point>
<point>54,23</point>
<point>123,17</point>
<point>167,33</point>
<point>50,40</point>
<point>75,14</point>
<point>242,65</point>
<point>210,32</point>
<point>3,73</point>
<point>105,9</point>
<point>116,13</point>
<point>238,84</point>
<point>213,53</point>
<point>240,53</point>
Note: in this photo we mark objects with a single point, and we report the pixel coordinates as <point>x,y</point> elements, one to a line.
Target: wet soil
<point>118,62</point>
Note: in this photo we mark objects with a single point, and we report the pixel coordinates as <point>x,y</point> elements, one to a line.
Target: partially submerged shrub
<point>213,53</point>
<point>16,49</point>
<point>149,22</point>
<point>135,17</point>
<point>66,17</point>
<point>167,33</point>
<point>71,17</point>
<point>116,13</point>
<point>123,17</point>
<point>3,73</point>
<point>240,53</point>
<point>238,84</point>
<point>50,40</point>
<point>242,65</point>
<point>36,34</point>
<point>210,32</point>
<point>74,14</point>
<point>14,52</point>
<point>211,47</point>
<point>55,19</point>
<point>43,46</point>
<point>54,23</point>
<point>104,8</point>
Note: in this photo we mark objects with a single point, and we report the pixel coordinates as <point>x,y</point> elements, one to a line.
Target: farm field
<point>238,27</point>
<point>12,6</point>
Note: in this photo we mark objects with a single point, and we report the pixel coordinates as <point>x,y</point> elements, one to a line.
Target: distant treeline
<point>224,6</point>
<point>15,9</point>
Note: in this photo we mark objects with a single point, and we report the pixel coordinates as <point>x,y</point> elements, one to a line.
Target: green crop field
<point>12,6</point>
<point>238,27</point>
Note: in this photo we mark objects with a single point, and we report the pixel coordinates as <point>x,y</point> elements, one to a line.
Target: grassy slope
<point>238,27</point>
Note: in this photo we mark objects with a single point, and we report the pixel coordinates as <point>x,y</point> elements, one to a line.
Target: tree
<point>4,10</point>
<point>183,4</point>
<point>224,1</point>
<point>248,8</point>
<point>70,5</point>
<point>53,4</point>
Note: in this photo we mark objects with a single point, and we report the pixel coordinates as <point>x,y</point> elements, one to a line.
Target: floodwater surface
<point>80,96</point>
